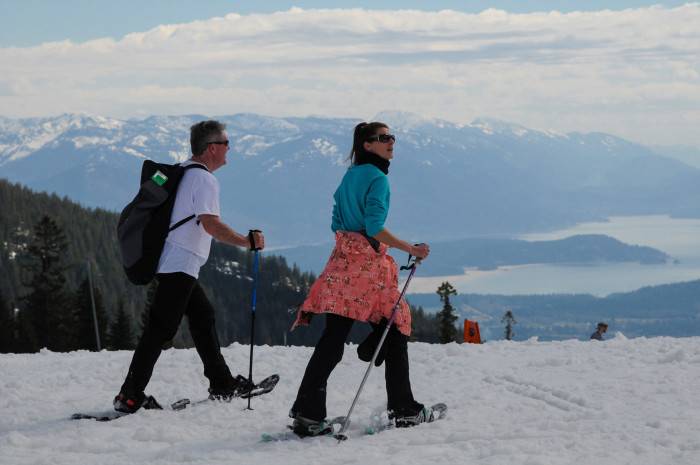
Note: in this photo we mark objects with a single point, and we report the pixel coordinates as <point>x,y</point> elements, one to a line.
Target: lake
<point>679,238</point>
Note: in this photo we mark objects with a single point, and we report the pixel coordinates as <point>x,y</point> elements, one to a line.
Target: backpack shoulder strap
<point>196,165</point>
<point>185,220</point>
<point>180,223</point>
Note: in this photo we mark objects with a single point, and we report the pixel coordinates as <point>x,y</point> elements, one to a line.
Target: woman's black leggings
<point>311,398</point>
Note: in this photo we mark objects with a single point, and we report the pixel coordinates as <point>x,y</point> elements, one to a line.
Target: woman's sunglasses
<point>383,138</point>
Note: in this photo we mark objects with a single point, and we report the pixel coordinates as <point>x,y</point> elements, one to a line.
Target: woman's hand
<point>420,251</point>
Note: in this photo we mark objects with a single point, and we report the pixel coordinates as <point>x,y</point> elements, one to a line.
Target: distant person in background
<point>600,330</point>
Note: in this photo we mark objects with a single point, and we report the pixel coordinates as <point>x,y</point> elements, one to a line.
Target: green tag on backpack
<point>159,178</point>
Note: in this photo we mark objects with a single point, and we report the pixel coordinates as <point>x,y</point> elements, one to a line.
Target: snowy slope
<point>616,402</point>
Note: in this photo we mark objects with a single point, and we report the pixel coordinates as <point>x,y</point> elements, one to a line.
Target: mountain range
<point>449,181</point>
<point>452,257</point>
<point>664,310</point>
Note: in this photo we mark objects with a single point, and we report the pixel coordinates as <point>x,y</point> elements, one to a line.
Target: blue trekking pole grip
<point>256,268</point>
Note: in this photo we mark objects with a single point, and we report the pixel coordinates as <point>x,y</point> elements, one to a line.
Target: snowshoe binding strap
<point>306,427</point>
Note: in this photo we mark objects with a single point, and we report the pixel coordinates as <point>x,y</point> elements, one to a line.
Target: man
<point>600,330</point>
<point>179,293</point>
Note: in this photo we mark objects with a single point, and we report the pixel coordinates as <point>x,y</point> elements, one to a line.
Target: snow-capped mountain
<point>448,180</point>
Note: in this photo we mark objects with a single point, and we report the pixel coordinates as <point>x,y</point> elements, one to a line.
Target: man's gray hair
<point>204,132</point>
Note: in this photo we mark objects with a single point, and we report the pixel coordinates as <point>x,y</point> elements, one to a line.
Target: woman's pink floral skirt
<point>357,283</point>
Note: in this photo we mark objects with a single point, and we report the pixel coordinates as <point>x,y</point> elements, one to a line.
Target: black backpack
<point>144,223</point>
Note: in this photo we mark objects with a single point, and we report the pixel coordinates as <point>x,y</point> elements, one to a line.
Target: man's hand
<point>257,238</point>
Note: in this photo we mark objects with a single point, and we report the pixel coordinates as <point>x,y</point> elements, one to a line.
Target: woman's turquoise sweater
<point>361,200</point>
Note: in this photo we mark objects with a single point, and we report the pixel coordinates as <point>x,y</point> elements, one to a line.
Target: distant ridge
<point>664,310</point>
<point>451,257</point>
<point>449,181</point>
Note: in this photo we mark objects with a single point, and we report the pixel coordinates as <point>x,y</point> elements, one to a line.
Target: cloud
<point>616,71</point>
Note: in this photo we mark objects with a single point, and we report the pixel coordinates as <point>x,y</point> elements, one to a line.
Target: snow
<point>83,141</point>
<point>179,156</point>
<point>401,119</point>
<point>107,123</point>
<point>133,152</point>
<point>33,134</point>
<point>325,147</point>
<point>492,126</point>
<point>251,145</point>
<point>139,141</point>
<point>622,401</point>
<point>278,164</point>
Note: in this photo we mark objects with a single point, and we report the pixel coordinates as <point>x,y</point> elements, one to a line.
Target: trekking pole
<point>92,305</point>
<point>411,265</point>
<point>256,266</point>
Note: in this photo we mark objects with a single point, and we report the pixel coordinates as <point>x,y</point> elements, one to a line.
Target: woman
<point>360,283</point>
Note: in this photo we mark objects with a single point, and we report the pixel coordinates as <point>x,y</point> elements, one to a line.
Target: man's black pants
<point>178,294</point>
<point>311,398</point>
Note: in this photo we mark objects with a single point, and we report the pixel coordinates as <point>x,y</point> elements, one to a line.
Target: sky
<point>630,68</point>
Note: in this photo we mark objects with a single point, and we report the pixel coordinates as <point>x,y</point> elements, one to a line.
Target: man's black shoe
<point>130,404</point>
<point>228,389</point>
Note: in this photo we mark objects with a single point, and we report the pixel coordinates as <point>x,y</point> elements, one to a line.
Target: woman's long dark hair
<point>363,131</point>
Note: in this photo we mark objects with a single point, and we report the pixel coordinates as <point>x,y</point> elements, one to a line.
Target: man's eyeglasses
<point>219,142</point>
<point>383,138</point>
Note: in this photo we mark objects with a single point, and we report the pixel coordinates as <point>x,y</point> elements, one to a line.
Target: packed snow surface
<point>615,402</point>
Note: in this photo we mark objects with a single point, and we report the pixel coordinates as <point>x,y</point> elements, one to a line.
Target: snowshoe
<point>244,392</point>
<point>306,427</point>
<point>130,404</point>
<point>405,419</point>
<point>230,388</point>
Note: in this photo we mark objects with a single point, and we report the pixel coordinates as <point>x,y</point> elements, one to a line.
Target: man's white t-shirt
<point>187,247</point>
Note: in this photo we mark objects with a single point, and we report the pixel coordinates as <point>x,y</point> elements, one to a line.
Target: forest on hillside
<point>48,244</point>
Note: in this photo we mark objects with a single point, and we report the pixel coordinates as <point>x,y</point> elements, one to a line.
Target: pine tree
<point>7,327</point>
<point>48,302</point>
<point>85,328</point>
<point>509,321</point>
<point>90,235</point>
<point>424,327</point>
<point>121,336</point>
<point>25,336</point>
<point>446,317</point>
